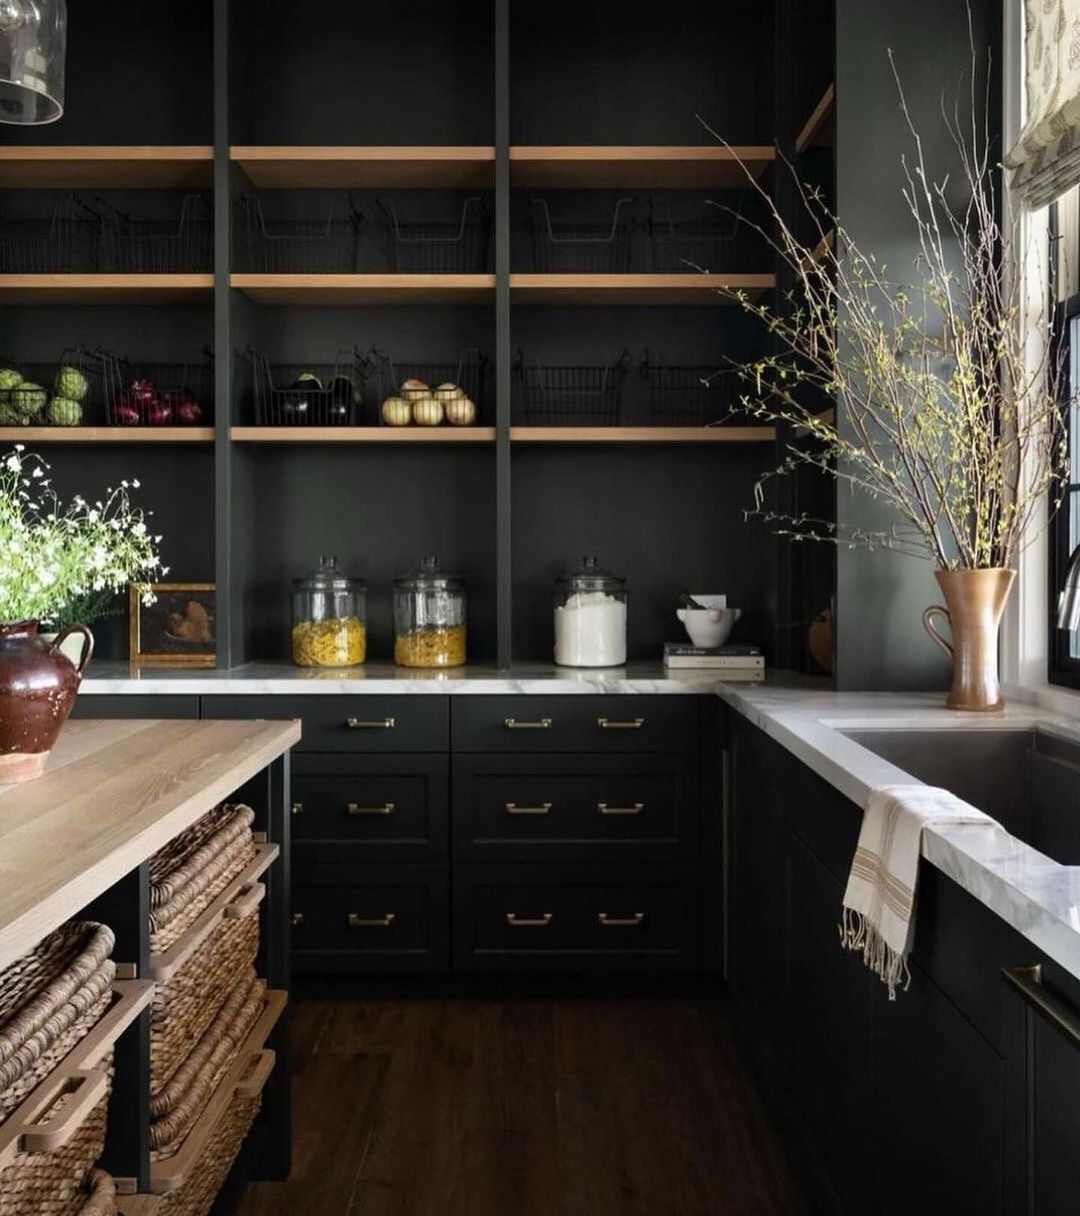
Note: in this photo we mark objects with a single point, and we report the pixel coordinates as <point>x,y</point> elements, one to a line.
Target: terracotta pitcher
<point>975,601</point>
<point>38,684</point>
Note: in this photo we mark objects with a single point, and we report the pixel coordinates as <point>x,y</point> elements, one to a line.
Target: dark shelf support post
<point>503,469</point>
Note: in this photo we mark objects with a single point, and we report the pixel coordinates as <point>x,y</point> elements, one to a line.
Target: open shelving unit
<point>106,434</point>
<point>339,289</point>
<point>106,166</point>
<point>344,167</point>
<point>105,288</point>
<point>649,167</point>
<point>819,129</point>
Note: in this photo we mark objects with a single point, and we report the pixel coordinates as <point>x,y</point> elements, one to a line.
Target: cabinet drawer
<point>379,808</point>
<point>575,724</point>
<point>387,919</point>
<point>574,808</point>
<point>573,918</point>
<point>349,724</point>
<point>134,705</point>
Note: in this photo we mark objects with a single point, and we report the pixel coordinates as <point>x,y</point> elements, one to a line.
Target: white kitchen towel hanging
<point>879,902</point>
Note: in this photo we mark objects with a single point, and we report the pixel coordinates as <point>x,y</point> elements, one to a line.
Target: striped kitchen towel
<point>879,902</point>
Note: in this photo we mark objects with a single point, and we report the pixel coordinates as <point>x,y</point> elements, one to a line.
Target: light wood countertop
<point>112,794</point>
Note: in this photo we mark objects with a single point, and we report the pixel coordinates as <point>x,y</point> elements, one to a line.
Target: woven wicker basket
<point>101,1200</point>
<point>196,1197</point>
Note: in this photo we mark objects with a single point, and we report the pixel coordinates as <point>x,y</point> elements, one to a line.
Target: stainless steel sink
<point>1027,779</point>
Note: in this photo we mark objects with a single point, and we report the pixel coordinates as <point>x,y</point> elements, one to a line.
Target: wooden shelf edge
<point>103,288</point>
<point>106,434</point>
<point>363,434</point>
<point>283,165</point>
<point>642,434</point>
<point>691,288</point>
<point>365,288</point>
<point>342,153</point>
<point>817,122</point>
<point>107,165</point>
<point>638,166</point>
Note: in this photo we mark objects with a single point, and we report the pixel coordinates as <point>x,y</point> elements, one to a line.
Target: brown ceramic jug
<point>37,690</point>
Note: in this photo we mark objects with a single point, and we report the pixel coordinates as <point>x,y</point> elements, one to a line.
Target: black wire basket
<point>70,241</point>
<point>689,396</point>
<point>184,245</point>
<point>708,243</point>
<point>327,245</point>
<point>583,248</point>
<point>572,396</point>
<point>467,374</point>
<point>438,247</point>
<point>308,394</point>
<point>138,393</point>
<point>68,393</point>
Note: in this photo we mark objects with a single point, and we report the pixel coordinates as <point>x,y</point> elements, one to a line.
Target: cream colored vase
<point>975,601</point>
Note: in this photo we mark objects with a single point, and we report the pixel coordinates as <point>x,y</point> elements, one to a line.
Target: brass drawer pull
<point>620,922</point>
<point>297,918</point>
<point>613,724</point>
<point>356,921</point>
<point>539,724</point>
<point>512,808</point>
<point>530,922</point>
<point>387,808</point>
<point>635,808</point>
<point>297,808</point>
<point>1027,980</point>
<point>377,724</point>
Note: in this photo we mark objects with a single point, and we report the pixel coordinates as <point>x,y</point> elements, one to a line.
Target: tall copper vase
<point>975,601</point>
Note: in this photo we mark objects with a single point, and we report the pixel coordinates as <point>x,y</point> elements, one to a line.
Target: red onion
<point>127,413</point>
<point>188,412</point>
<point>143,391</point>
<point>158,413</point>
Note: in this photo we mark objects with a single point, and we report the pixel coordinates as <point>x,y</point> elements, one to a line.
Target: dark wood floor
<point>525,1108</point>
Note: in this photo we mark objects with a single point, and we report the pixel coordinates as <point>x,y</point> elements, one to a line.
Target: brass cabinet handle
<point>387,808</point>
<point>376,724</point>
<point>542,808</point>
<point>530,922</point>
<point>297,808</point>
<point>635,808</point>
<point>1027,980</point>
<point>356,921</point>
<point>297,918</point>
<point>613,724</point>
<point>539,724</point>
<point>620,922</point>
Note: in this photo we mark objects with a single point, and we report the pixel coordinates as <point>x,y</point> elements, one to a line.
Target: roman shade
<point>1045,160</point>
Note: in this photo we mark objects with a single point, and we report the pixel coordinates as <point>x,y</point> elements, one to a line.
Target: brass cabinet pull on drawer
<point>356,921</point>
<point>297,808</point>
<point>635,808</point>
<point>530,922</point>
<point>539,724</point>
<point>297,918</point>
<point>543,808</point>
<point>387,808</point>
<point>1027,980</point>
<point>376,724</point>
<point>620,922</point>
<point>613,724</point>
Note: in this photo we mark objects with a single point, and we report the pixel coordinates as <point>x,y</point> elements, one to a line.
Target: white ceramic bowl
<point>709,601</point>
<point>708,627</point>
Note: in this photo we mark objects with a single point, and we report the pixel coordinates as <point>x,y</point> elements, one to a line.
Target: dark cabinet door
<point>139,705</point>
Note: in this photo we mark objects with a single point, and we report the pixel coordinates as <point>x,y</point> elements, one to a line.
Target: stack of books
<point>732,662</point>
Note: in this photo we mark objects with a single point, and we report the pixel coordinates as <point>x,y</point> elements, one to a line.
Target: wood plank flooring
<point>525,1107</point>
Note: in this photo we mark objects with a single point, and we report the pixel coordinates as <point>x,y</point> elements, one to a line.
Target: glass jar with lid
<point>329,627</point>
<point>429,617</point>
<point>590,617</point>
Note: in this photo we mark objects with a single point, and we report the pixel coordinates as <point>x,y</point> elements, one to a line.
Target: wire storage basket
<point>327,245</point>
<point>571,396</point>
<point>138,393</point>
<point>438,247</point>
<point>709,242</point>
<point>181,245</point>
<point>68,393</point>
<point>688,396</point>
<point>69,241</point>
<point>308,394</point>
<point>467,374</point>
<point>586,248</point>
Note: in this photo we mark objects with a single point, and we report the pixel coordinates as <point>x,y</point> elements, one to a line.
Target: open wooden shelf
<point>139,1205</point>
<point>818,130</point>
<point>106,434</point>
<point>105,166</point>
<point>363,434</point>
<point>642,434</point>
<point>366,288</point>
<point>636,288</point>
<point>825,246</point>
<point>645,167</point>
<point>105,288</point>
<point>290,167</point>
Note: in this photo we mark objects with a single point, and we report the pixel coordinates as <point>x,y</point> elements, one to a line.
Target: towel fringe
<point>858,935</point>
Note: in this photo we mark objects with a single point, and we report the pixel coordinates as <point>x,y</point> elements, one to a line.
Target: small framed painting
<point>177,629</point>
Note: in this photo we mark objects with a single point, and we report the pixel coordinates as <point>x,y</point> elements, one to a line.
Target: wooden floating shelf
<point>821,250</point>
<point>819,129</point>
<point>642,434</point>
<point>106,434</point>
<point>105,288</point>
<point>285,167</point>
<point>636,288</point>
<point>366,288</point>
<point>363,434</point>
<point>70,167</point>
<point>641,167</point>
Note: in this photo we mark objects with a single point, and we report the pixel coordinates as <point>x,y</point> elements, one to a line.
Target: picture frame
<point>177,630</point>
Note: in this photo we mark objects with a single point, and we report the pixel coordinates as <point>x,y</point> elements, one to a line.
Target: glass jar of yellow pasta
<point>429,618</point>
<point>329,626</point>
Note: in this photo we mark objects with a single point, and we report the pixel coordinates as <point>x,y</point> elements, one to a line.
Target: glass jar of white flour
<point>590,617</point>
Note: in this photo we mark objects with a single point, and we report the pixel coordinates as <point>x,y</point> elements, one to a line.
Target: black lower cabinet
<point>126,705</point>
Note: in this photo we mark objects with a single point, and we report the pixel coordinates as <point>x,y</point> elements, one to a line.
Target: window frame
<point>1063,667</point>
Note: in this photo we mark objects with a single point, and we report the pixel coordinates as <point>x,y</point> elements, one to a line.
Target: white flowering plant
<point>61,563</point>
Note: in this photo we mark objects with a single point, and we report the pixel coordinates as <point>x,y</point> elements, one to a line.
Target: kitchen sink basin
<point>1027,779</point>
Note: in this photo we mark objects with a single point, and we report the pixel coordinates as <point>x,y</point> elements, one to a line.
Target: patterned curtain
<point>1046,158</point>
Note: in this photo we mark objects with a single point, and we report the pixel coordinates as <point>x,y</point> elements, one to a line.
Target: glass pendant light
<point>33,38</point>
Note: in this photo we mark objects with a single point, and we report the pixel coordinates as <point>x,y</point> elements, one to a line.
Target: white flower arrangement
<point>61,563</point>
